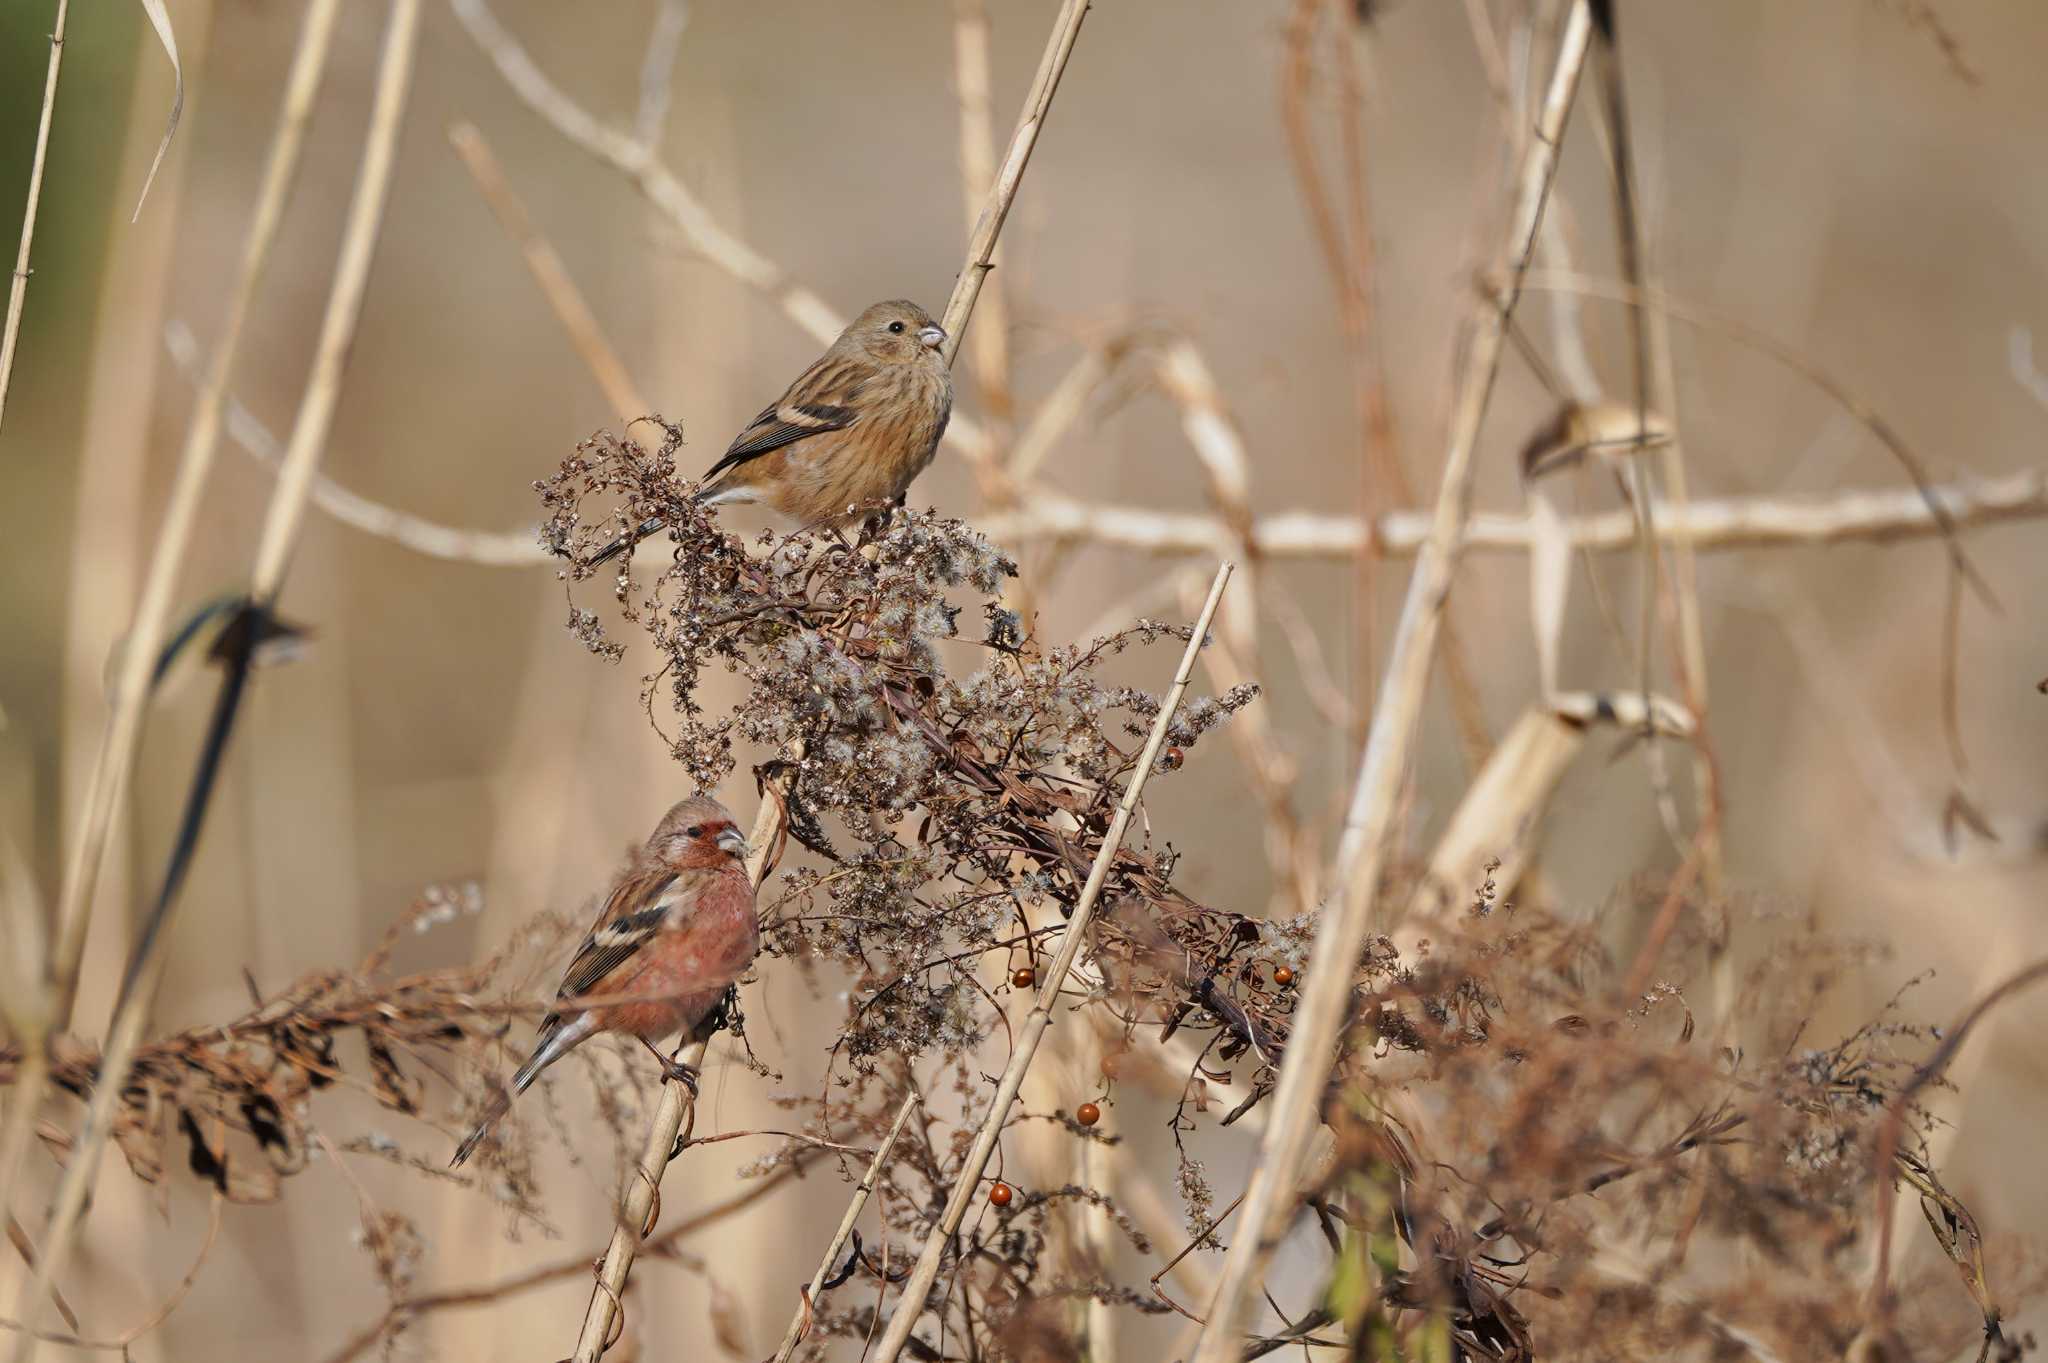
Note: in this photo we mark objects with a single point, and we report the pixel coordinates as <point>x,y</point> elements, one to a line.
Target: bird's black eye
<point>695,830</point>
<point>896,327</point>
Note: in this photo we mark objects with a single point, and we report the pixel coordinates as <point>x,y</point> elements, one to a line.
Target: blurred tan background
<point>1820,171</point>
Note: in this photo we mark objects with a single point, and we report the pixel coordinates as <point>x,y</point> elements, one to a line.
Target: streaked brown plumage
<point>855,428</point>
<point>678,926</point>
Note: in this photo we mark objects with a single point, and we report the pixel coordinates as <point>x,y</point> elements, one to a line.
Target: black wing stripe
<point>610,946</point>
<point>770,432</point>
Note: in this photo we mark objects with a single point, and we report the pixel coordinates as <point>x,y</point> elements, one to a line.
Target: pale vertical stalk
<point>287,509</point>
<point>344,304</point>
<point>17,289</point>
<point>1032,1030</point>
<point>116,755</point>
<point>1361,854</point>
<point>799,1323</point>
<point>643,1188</point>
<point>977,173</point>
<point>981,243</point>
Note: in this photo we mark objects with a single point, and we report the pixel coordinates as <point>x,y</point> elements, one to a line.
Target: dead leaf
<point>160,20</point>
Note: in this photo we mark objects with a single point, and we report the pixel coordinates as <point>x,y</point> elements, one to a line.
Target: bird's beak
<point>931,337</point>
<point>734,842</point>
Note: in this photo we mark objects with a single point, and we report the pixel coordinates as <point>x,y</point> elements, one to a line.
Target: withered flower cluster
<point>955,809</point>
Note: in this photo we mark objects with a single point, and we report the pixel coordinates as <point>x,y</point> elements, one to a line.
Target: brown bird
<point>678,926</point>
<point>857,426</point>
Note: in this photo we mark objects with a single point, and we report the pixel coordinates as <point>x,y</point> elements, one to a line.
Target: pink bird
<point>678,927</point>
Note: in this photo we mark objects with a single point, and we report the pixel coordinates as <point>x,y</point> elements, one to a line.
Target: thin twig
<point>1032,1031</point>
<point>800,1322</point>
<point>1319,1014</point>
<point>411,1308</point>
<point>124,1341</point>
<point>545,263</point>
<point>431,539</point>
<point>17,289</point>
<point>280,529</point>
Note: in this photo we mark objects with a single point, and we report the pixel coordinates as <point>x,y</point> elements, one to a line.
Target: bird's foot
<point>675,1071</point>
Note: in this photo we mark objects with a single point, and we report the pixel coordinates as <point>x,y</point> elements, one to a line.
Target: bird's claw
<point>675,1071</point>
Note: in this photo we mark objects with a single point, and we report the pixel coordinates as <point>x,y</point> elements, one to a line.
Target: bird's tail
<point>651,526</point>
<point>556,1041</point>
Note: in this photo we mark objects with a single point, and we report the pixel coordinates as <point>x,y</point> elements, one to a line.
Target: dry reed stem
<point>799,1324</point>
<point>1707,525</point>
<point>113,762</point>
<point>981,243</point>
<point>1657,391</point>
<point>280,529</point>
<point>1319,1015</point>
<point>17,289</point>
<point>545,264</point>
<point>1491,836</point>
<point>643,1189</point>
<point>344,305</point>
<point>910,1305</point>
<point>975,89</point>
<point>124,726</point>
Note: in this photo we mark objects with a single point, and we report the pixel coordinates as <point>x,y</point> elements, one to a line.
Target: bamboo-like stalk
<point>643,1189</point>
<point>17,289</point>
<point>1705,524</point>
<point>116,755</point>
<point>640,1196</point>
<point>1319,1015</point>
<point>1032,1030</point>
<point>286,513</point>
<point>800,1322</point>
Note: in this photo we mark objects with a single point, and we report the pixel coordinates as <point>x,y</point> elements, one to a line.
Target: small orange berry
<point>1112,1064</point>
<point>1024,977</point>
<point>999,1194</point>
<point>1283,976</point>
<point>1087,1114</point>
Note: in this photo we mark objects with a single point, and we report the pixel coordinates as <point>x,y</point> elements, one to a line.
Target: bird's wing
<point>819,401</point>
<point>640,909</point>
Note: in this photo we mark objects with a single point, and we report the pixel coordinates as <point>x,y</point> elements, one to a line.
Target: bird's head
<point>895,332</point>
<point>698,832</point>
